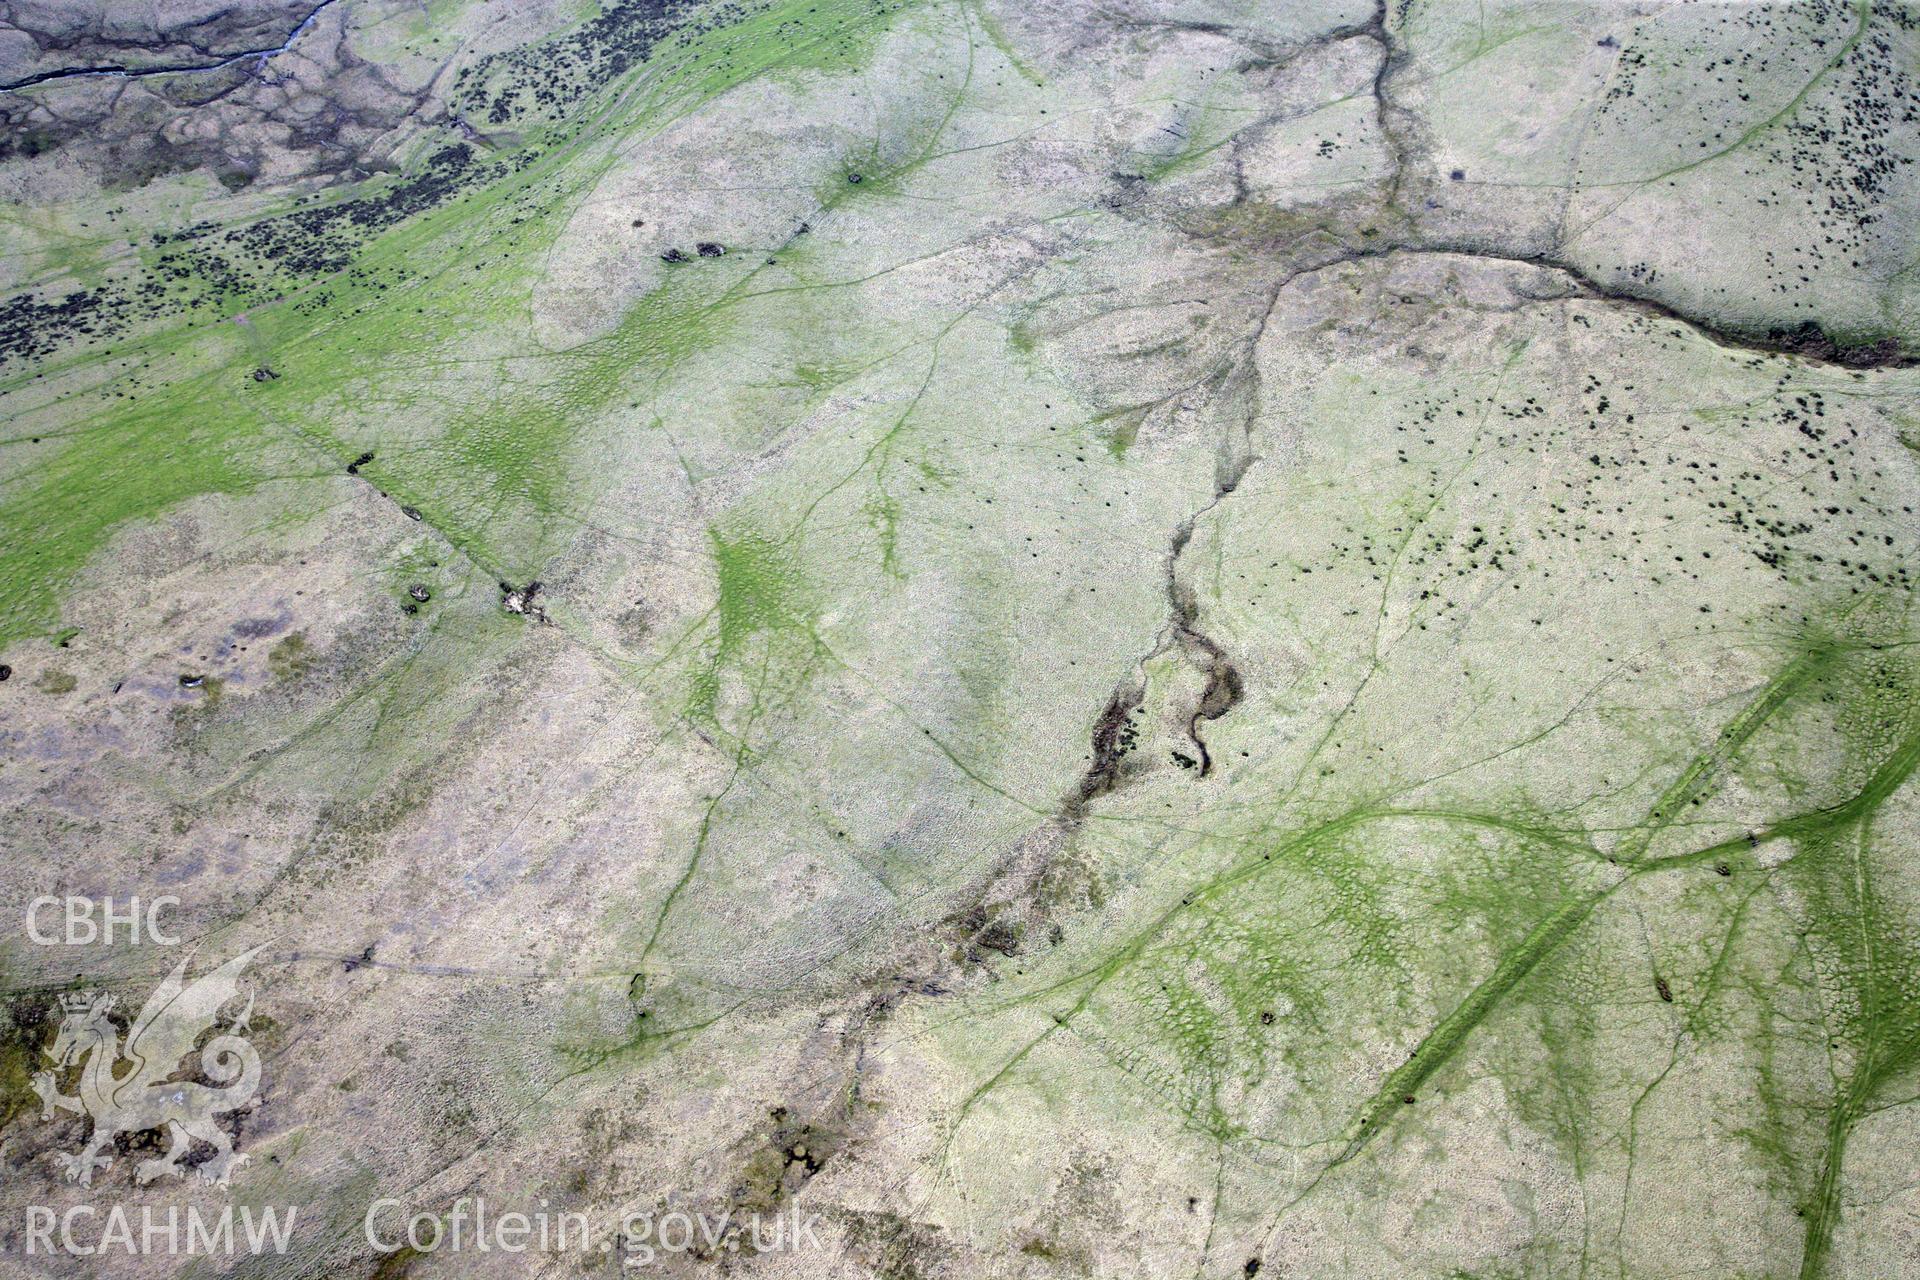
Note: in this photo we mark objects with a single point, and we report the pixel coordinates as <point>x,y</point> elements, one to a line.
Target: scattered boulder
<point>520,600</point>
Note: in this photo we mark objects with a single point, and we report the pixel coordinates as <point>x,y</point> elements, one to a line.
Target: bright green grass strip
<point>141,463</point>
<point>502,469</point>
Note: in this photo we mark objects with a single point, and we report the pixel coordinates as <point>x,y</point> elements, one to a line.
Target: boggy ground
<point>1142,639</point>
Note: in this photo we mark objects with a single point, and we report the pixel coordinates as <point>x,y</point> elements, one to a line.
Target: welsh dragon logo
<point>129,1092</point>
